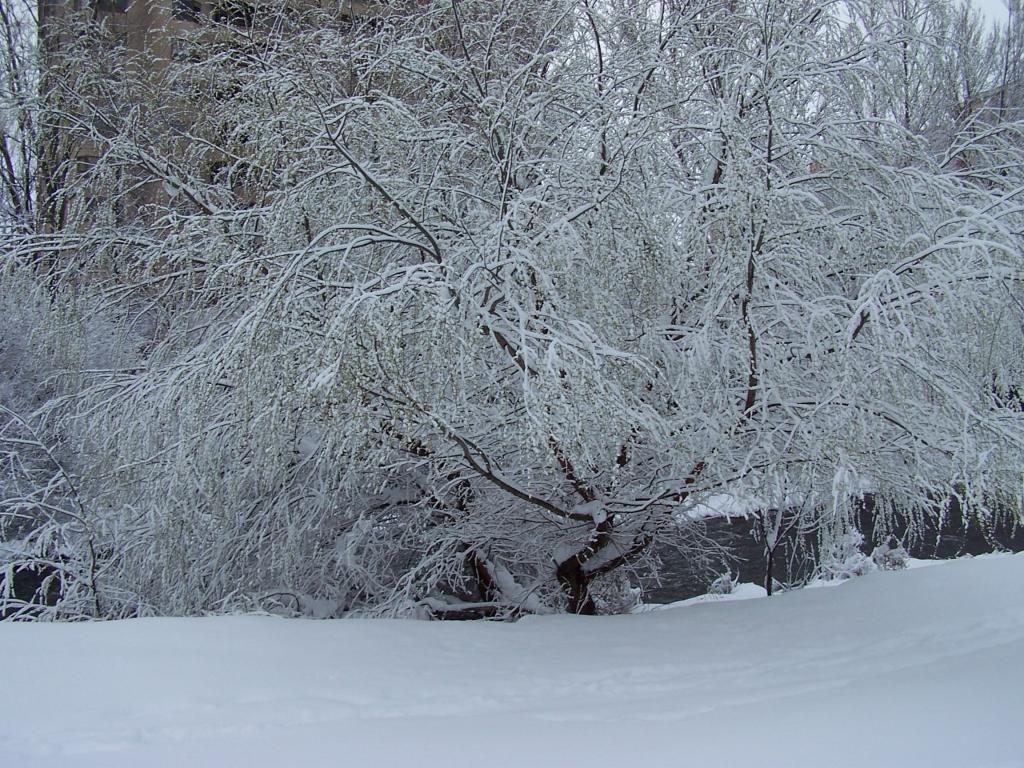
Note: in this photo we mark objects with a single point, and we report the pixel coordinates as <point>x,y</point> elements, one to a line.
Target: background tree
<point>18,129</point>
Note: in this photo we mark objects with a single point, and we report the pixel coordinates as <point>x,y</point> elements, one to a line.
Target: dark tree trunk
<point>575,583</point>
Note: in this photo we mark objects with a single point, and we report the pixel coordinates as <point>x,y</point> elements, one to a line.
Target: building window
<point>234,12</point>
<point>219,173</point>
<point>103,6</point>
<point>184,50</point>
<point>85,163</point>
<point>186,10</point>
<point>109,14</point>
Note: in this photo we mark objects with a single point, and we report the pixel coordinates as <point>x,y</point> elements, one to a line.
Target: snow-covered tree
<point>18,130</point>
<point>460,310</point>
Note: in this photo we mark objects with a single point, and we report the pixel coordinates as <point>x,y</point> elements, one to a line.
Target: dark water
<point>33,585</point>
<point>795,559</point>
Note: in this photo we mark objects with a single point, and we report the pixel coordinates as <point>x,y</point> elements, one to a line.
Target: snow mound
<point>905,668</point>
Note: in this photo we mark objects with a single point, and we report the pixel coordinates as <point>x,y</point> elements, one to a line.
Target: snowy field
<point>916,668</point>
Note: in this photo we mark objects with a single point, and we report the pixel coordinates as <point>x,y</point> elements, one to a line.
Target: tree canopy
<point>462,307</point>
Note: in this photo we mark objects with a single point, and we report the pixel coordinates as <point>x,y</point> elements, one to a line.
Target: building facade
<point>151,34</point>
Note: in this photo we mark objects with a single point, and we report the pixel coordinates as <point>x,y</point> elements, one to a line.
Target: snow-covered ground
<point>916,668</point>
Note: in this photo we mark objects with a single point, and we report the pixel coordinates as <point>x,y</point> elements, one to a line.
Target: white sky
<point>994,10</point>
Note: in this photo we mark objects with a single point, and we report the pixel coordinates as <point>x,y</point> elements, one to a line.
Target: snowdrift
<point>915,668</point>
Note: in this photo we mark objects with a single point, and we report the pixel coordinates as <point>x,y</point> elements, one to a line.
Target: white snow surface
<point>912,668</point>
